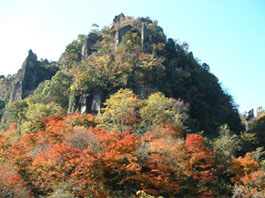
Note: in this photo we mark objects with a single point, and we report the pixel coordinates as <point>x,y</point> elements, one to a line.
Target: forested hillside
<point>125,112</point>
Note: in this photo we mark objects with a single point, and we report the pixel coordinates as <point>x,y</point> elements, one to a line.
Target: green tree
<point>258,127</point>
<point>225,146</point>
<point>121,112</point>
<point>124,111</point>
<point>72,53</point>
<point>54,90</point>
<point>159,110</point>
<point>34,114</point>
<point>14,113</point>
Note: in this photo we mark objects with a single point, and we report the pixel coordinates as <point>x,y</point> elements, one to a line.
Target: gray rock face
<point>118,19</point>
<point>87,48</point>
<point>250,115</point>
<point>88,104</point>
<point>83,104</point>
<point>22,82</point>
<point>120,29</point>
<point>16,91</point>
<point>29,74</point>
<point>259,111</point>
<point>97,101</point>
<point>120,34</point>
<point>121,25</point>
<point>29,77</point>
<point>146,39</point>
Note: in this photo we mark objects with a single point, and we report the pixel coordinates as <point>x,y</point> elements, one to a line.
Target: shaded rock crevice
<point>88,103</point>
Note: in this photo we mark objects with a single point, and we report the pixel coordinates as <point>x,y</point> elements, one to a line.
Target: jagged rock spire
<point>29,77</point>
<point>117,19</point>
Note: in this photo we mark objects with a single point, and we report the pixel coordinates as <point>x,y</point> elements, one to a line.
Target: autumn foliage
<point>72,154</point>
<point>12,185</point>
<point>102,163</point>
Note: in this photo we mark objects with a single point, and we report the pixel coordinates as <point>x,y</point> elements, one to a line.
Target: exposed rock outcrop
<point>98,96</point>
<point>88,103</point>
<point>29,77</point>
<point>83,103</point>
<point>121,25</point>
<point>120,34</point>
<point>118,19</point>
<point>88,46</point>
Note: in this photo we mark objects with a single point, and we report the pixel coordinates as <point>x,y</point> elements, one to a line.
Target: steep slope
<point>133,54</point>
<point>22,84</point>
<point>151,99</point>
<point>29,77</point>
<point>26,80</point>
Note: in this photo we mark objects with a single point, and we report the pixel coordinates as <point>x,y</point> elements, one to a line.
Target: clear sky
<point>228,35</point>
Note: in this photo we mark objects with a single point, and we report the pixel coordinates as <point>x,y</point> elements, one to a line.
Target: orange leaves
<point>194,143</point>
<point>201,160</point>
<point>201,156</point>
<point>113,161</point>
<point>53,166</point>
<point>243,166</point>
<point>4,146</point>
<point>11,183</point>
<point>165,163</point>
<point>173,130</point>
<point>249,179</point>
<point>118,152</point>
<point>101,163</point>
<point>253,185</point>
<point>8,176</point>
<point>55,127</point>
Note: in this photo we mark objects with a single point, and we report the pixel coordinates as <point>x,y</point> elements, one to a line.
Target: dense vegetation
<point>166,127</point>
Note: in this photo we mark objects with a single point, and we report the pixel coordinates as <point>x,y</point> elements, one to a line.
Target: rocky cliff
<point>134,54</point>
<point>29,76</point>
<point>149,35</point>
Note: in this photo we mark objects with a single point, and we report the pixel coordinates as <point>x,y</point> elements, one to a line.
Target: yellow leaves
<point>148,64</point>
<point>125,112</point>
<point>120,111</point>
<point>148,61</point>
<point>129,42</point>
<point>151,25</point>
<point>104,42</point>
<point>159,110</point>
<point>101,60</point>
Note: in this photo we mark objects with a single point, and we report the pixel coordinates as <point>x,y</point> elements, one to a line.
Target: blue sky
<point>229,35</point>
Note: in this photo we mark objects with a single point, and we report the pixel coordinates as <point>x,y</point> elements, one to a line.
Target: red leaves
<point>95,160</point>
<point>8,177</point>
<point>201,159</point>
<point>12,183</point>
<point>53,166</point>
